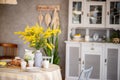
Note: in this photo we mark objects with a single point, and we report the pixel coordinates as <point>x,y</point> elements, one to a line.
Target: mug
<point>46,64</point>
<point>23,64</point>
<point>31,63</point>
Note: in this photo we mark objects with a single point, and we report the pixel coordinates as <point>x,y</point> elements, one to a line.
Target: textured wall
<point>15,17</point>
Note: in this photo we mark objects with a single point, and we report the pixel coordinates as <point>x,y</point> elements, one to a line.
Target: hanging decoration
<point>47,19</point>
<point>48,8</point>
<point>40,18</point>
<point>55,21</point>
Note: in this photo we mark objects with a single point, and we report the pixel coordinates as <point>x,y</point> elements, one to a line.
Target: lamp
<point>8,2</point>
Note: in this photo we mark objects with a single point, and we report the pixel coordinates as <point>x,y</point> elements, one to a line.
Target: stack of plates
<point>77,38</point>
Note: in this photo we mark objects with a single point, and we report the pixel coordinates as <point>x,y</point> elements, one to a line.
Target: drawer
<point>92,47</point>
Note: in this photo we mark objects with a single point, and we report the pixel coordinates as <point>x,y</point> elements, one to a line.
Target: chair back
<point>85,74</point>
<point>50,58</point>
<point>8,50</point>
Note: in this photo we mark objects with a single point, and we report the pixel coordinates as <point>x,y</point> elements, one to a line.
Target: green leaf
<point>54,40</point>
<point>56,60</point>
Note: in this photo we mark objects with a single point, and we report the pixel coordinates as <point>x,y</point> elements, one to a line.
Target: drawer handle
<point>92,48</point>
<point>82,13</point>
<point>105,61</point>
<point>88,15</point>
<point>79,59</point>
<point>108,13</point>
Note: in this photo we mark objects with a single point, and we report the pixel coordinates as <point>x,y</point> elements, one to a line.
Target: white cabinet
<point>95,14</point>
<point>92,56</point>
<point>73,60</point>
<point>104,57</point>
<point>113,14</point>
<point>111,64</point>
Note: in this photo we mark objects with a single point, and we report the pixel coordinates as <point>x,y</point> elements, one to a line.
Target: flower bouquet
<point>38,37</point>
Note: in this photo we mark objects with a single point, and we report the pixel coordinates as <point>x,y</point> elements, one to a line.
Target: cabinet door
<point>112,64</point>
<point>95,61</point>
<point>75,13</point>
<point>92,56</point>
<point>113,14</point>
<point>95,14</point>
<point>73,57</point>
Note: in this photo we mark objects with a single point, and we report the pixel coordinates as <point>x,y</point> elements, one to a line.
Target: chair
<point>85,74</point>
<point>8,50</point>
<point>50,58</point>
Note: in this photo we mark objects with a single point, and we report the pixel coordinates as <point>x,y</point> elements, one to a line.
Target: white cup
<point>30,63</point>
<point>23,65</point>
<point>46,64</point>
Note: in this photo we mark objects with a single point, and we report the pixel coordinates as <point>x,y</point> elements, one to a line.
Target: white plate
<point>6,60</point>
<point>32,69</point>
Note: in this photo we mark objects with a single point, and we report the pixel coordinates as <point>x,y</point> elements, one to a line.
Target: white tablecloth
<point>52,73</point>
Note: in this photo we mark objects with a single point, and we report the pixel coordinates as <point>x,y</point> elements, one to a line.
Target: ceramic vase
<point>28,55</point>
<point>38,58</point>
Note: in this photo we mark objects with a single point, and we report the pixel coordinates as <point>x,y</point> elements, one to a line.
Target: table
<point>52,73</point>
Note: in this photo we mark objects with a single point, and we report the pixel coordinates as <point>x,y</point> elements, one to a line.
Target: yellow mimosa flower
<point>49,46</point>
<point>37,36</point>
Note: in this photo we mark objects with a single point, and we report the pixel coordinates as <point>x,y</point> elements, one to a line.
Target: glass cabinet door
<point>76,13</point>
<point>95,14</point>
<point>113,13</point>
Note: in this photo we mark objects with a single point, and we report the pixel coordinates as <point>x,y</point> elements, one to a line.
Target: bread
<point>15,62</point>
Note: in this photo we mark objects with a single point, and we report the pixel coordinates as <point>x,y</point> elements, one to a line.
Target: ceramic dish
<point>32,69</point>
